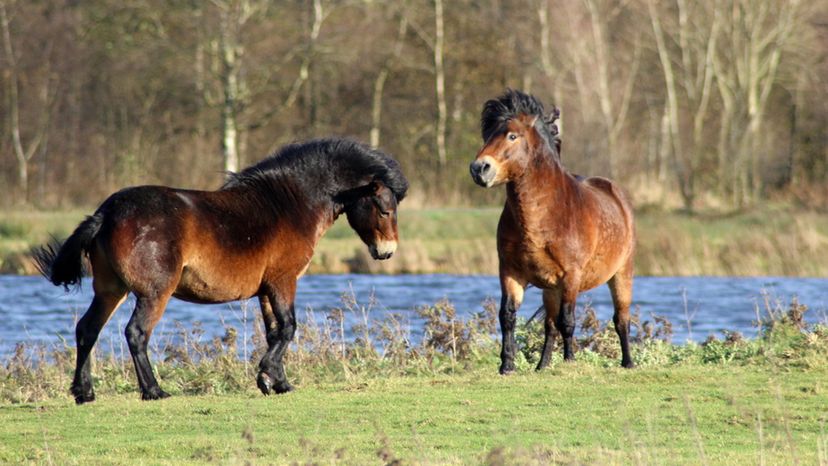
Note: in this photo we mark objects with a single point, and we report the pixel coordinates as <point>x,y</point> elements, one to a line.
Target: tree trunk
<point>24,153</point>
<point>614,116</point>
<point>723,150</point>
<point>440,81</point>
<point>379,83</point>
<point>683,175</point>
<point>229,53</point>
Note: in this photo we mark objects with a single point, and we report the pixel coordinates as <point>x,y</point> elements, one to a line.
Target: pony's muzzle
<point>383,249</point>
<point>483,172</point>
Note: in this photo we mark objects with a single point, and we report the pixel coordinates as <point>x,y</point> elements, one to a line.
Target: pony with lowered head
<point>253,237</point>
<point>559,232</point>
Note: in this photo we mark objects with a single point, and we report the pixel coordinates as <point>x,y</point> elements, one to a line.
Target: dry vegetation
<point>773,240</point>
<point>324,351</point>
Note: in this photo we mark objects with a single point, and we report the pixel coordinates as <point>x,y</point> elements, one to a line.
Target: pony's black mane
<point>497,112</point>
<point>324,166</point>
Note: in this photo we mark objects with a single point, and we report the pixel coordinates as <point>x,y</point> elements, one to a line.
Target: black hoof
<point>541,366</point>
<point>507,368</point>
<point>283,387</point>
<point>81,399</point>
<point>83,396</point>
<point>265,383</point>
<point>628,364</point>
<point>154,394</point>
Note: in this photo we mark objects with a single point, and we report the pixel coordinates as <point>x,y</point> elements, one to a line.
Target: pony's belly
<point>542,271</point>
<point>544,279</point>
<point>528,264</point>
<point>198,288</point>
<point>535,266</point>
<point>595,280</point>
<point>601,268</point>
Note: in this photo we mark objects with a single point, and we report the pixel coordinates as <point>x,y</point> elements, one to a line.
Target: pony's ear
<point>550,119</point>
<point>355,194</point>
<point>370,189</point>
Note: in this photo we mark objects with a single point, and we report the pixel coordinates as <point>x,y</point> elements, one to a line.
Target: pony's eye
<point>512,136</point>
<point>384,214</point>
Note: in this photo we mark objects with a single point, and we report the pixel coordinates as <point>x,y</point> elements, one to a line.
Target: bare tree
<point>602,71</point>
<point>728,96</point>
<point>308,53</point>
<point>440,81</point>
<point>688,75</point>
<point>233,14</point>
<point>47,92</point>
<point>379,82</point>
<point>756,35</point>
<point>235,90</point>
<point>553,75</point>
<point>614,111</point>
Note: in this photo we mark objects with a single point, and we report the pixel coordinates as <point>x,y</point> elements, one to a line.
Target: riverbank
<point>378,399</point>
<point>774,240</point>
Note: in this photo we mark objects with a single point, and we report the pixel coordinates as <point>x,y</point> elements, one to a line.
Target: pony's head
<point>515,131</point>
<point>373,215</point>
<point>364,183</point>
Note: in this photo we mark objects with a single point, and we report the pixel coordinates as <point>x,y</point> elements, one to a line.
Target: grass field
<point>572,414</point>
<point>380,400</point>
<point>774,240</point>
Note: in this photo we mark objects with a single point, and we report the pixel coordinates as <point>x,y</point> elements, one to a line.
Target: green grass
<point>573,413</point>
<point>732,401</point>
<point>773,240</point>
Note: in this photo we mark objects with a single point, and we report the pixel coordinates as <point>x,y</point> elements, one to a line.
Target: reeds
<point>327,349</point>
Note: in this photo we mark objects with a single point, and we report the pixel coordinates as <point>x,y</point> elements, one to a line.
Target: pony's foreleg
<point>552,305</point>
<point>147,313</point>
<point>620,287</point>
<point>565,321</point>
<point>272,376</point>
<point>510,301</point>
<point>86,334</point>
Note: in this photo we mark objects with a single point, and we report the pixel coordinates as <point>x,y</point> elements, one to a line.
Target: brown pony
<point>253,237</point>
<point>560,232</point>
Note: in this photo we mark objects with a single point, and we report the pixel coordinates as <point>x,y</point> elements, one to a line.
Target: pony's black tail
<point>62,264</point>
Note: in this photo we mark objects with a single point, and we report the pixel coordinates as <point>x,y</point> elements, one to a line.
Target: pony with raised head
<point>559,232</point>
<point>253,237</point>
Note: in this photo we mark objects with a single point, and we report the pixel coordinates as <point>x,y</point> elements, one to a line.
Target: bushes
<point>322,352</point>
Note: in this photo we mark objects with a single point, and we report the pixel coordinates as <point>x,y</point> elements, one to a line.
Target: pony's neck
<point>544,183</point>
<point>308,196</point>
<point>327,188</point>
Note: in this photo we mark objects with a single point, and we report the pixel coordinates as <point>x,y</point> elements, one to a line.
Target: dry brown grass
<point>774,240</point>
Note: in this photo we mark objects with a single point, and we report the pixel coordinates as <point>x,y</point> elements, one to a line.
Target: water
<point>34,311</point>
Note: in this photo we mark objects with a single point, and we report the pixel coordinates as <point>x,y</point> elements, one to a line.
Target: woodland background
<point>690,104</point>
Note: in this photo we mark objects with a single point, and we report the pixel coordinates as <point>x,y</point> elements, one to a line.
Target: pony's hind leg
<point>86,334</point>
<point>280,326</point>
<point>268,317</point>
<point>552,305</point>
<point>620,286</point>
<point>110,292</point>
<point>148,312</point>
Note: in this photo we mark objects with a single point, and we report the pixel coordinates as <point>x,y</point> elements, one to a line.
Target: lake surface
<point>34,311</point>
